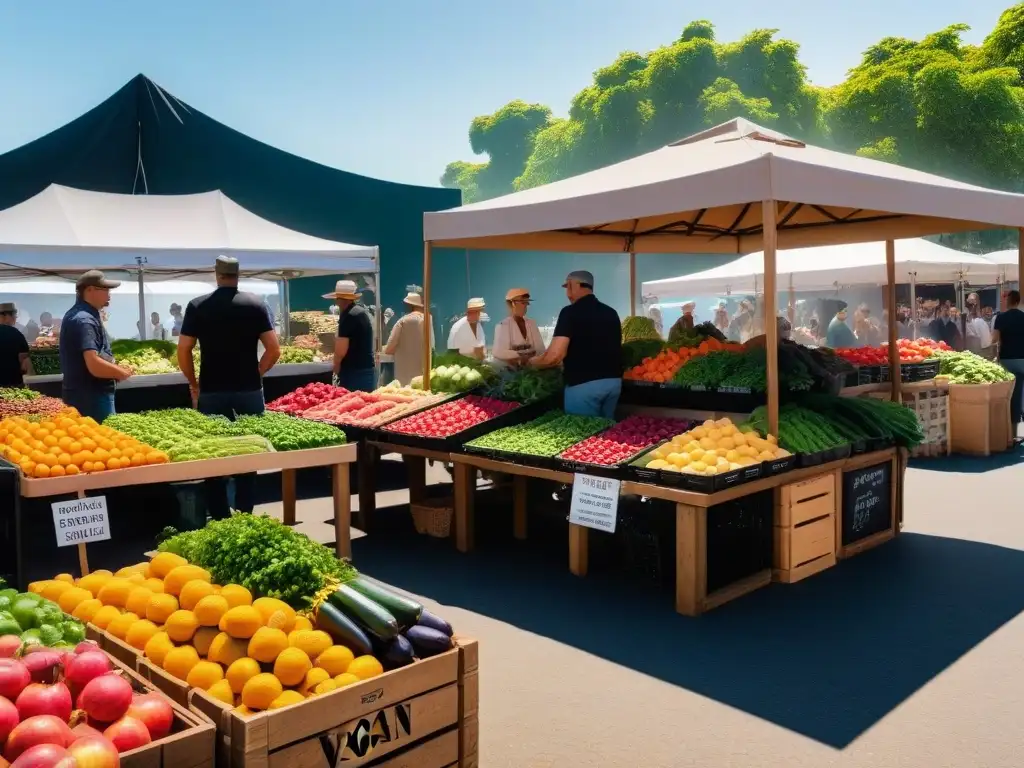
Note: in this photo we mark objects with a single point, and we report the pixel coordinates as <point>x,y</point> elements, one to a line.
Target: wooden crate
<point>422,715</point>
<point>932,409</point>
<point>805,528</point>
<point>970,419</point>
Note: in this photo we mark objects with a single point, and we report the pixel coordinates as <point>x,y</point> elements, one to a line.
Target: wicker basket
<point>433,517</point>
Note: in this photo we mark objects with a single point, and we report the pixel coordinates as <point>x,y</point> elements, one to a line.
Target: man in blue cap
<point>588,343</point>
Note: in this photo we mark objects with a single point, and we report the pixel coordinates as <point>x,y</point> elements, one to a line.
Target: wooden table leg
<point>519,496</point>
<point>341,491</point>
<point>417,469</point>
<point>288,495</point>
<point>691,559</point>
<point>578,549</point>
<point>465,492</point>
<point>366,460</point>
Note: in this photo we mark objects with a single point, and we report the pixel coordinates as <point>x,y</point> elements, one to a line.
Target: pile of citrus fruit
<point>70,444</point>
<point>252,655</point>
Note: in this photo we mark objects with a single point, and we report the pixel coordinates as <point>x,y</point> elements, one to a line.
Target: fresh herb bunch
<point>172,429</point>
<point>634,352</point>
<point>218,448</point>
<point>263,555</point>
<point>547,436</point>
<point>287,433</point>
<point>526,385</point>
<point>969,368</point>
<point>18,393</point>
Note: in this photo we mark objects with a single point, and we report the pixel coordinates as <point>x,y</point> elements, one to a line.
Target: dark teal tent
<point>145,140</point>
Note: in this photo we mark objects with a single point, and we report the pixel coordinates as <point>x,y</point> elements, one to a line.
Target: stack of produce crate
<point>932,409</point>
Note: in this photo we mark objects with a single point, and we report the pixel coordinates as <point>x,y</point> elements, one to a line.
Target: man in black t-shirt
<point>13,349</point>
<point>588,342</point>
<point>229,325</point>
<point>354,365</point>
<point>1008,333</point>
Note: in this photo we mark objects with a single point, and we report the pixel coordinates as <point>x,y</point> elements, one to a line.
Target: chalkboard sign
<point>867,502</point>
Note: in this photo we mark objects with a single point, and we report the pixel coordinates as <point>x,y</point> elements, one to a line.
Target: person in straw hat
<point>405,343</point>
<point>13,348</point>
<point>467,334</point>
<point>353,347</point>
<point>517,338</point>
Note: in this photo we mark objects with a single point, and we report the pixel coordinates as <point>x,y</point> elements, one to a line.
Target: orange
<point>204,675</point>
<point>57,471</point>
<point>338,659</point>
<point>241,671</point>
<point>314,677</point>
<point>203,639</point>
<point>260,691</point>
<point>180,661</point>
<point>181,626</point>
<point>140,633</point>
<point>160,607</point>
<point>120,625</point>
<point>157,648</point>
<point>42,470</point>
<point>364,667</point>
<point>113,463</point>
<point>286,699</point>
<point>291,666</point>
<point>71,469</point>
<point>221,691</point>
<point>193,592</point>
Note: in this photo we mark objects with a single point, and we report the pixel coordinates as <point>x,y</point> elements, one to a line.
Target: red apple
<point>155,712</point>
<point>45,756</point>
<point>40,699</point>
<point>127,734</point>
<point>43,729</point>
<point>94,752</point>
<point>9,718</point>
<point>106,698</point>
<point>14,678</point>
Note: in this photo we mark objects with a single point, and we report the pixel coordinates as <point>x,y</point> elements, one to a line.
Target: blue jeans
<point>594,398</point>
<point>362,380</point>
<point>97,404</point>
<point>231,405</point>
<point>1016,367</point>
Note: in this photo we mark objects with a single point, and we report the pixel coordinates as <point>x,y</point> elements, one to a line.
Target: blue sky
<point>387,88</point>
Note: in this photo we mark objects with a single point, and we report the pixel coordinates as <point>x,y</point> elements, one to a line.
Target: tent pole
<point>913,305</point>
<point>426,315</point>
<point>632,282</point>
<point>142,302</point>
<point>890,296</point>
<point>286,312</point>
<point>1020,258</point>
<point>791,312</point>
<point>769,215</point>
<point>999,292</point>
<point>378,314</point>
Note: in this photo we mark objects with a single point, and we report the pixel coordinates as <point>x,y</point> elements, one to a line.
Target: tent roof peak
<point>739,128</point>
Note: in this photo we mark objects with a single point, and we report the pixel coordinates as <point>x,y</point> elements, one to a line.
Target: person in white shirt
<point>517,338</point>
<point>157,330</point>
<point>467,335</point>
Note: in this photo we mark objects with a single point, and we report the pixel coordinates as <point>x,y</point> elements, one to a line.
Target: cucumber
<point>427,641</point>
<point>433,621</point>
<point>406,612</point>
<point>364,612</point>
<point>343,630</point>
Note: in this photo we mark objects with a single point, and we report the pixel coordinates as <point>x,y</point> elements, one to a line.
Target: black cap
<point>95,279</point>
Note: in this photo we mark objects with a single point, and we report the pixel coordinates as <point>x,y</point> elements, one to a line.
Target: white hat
<point>413,300</point>
<point>475,304</point>
<point>344,289</point>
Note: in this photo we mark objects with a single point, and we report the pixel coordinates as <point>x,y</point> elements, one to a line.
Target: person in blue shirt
<point>86,361</point>
<point>839,335</point>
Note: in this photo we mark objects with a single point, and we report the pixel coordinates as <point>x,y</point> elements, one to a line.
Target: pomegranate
<point>14,678</point>
<point>127,734</point>
<point>40,699</point>
<point>86,645</point>
<point>155,712</point>
<point>43,729</point>
<point>42,665</point>
<point>106,698</point>
<point>45,756</point>
<point>9,645</point>
<point>9,718</point>
<point>94,752</point>
<point>84,667</point>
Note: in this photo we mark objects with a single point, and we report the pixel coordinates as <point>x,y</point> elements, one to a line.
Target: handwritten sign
<point>867,502</point>
<point>81,521</point>
<point>595,502</point>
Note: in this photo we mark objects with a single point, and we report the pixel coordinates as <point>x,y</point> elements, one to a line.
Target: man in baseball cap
<point>13,348</point>
<point>588,343</point>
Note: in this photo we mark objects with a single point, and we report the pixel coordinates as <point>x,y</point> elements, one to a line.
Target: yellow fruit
<point>301,622</point>
<point>52,590</point>
<point>243,711</point>
<point>181,626</point>
<point>325,687</point>
<point>312,642</point>
<point>104,616</point>
<point>176,580</point>
<point>204,674</point>
<point>258,689</point>
<point>179,661</point>
<point>156,586</point>
<point>314,677</point>
<point>164,563</point>
<point>128,570</point>
<point>221,691</point>
<point>72,598</point>
<point>65,577</point>
<point>336,660</point>
<point>226,650</point>
<point>140,633</point>
<point>365,667</point>
<point>279,620</point>
<point>86,609</point>
<point>115,592</point>
<point>268,606</point>
<point>157,648</point>
<point>94,581</point>
<point>236,595</point>
<point>161,607</point>
<point>241,621</point>
<point>203,639</point>
<point>287,698</point>
<point>135,578</point>
<point>120,625</point>
<point>138,600</point>
<point>291,666</point>
<point>347,678</point>
<point>240,672</point>
<point>37,587</point>
<point>193,592</point>
<point>210,609</point>
<point>267,644</point>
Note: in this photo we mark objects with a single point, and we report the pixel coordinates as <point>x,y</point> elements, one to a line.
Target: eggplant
<point>427,641</point>
<point>342,629</point>
<point>398,652</point>
<point>364,612</point>
<point>433,621</point>
<point>406,612</point>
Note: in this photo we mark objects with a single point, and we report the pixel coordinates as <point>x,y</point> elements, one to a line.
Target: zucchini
<point>364,612</point>
<point>406,612</point>
<point>343,630</point>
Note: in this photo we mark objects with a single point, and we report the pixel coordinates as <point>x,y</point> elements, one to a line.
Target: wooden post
<point>83,557</point>
<point>341,492</point>
<point>426,315</point>
<point>416,466</point>
<point>465,516</point>
<point>691,559</point>
<point>890,299</point>
<point>579,543</point>
<point>366,461</point>
<point>632,283</point>
<point>288,496</point>
<point>519,517</point>
<point>771,323</point>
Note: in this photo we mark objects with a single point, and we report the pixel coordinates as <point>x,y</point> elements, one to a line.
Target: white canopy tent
<point>1007,263</point>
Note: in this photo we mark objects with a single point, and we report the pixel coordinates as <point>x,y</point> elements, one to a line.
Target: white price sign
<point>595,502</point>
<point>81,521</point>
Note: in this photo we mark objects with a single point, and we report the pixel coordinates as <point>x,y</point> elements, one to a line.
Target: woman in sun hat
<point>353,346</point>
<point>517,338</point>
<point>467,334</point>
<point>405,343</point>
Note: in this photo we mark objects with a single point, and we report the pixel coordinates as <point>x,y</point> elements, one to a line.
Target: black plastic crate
<point>739,539</point>
<point>778,466</point>
<point>910,372</point>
